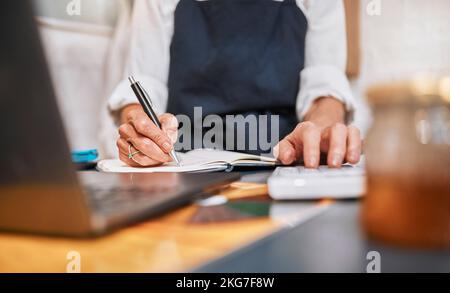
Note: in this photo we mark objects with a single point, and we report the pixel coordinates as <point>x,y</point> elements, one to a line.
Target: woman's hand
<point>323,131</point>
<point>149,145</point>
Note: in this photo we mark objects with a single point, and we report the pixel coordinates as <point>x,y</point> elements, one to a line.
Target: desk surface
<point>330,242</point>
<point>173,243</point>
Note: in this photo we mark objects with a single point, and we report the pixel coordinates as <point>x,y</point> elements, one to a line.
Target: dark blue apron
<point>237,57</point>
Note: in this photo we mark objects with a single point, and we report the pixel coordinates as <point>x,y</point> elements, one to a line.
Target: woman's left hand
<point>322,132</point>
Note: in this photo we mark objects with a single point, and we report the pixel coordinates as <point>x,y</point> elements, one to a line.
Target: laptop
<point>40,192</point>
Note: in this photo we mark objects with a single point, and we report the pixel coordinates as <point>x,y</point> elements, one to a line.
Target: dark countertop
<point>331,242</point>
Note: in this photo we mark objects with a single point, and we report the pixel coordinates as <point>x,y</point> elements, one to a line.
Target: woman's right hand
<point>149,144</point>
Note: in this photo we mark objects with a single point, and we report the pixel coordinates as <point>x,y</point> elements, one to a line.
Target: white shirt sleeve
<point>149,53</point>
<point>325,57</point>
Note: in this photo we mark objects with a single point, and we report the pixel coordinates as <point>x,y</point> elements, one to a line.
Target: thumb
<point>169,125</point>
<point>285,152</point>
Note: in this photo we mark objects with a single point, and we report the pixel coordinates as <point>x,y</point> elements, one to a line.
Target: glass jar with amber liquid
<point>408,164</point>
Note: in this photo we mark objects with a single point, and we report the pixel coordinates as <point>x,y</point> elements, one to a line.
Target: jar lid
<point>423,89</point>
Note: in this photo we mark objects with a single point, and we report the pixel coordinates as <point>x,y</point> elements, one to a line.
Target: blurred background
<point>388,39</point>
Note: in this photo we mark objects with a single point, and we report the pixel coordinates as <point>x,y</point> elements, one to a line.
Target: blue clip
<point>87,156</point>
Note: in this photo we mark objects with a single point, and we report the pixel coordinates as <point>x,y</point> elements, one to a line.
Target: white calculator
<point>293,183</point>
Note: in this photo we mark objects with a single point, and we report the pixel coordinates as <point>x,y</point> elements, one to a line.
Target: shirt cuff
<point>323,81</point>
<point>123,95</point>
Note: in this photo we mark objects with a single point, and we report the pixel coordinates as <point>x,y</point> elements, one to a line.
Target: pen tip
<point>131,79</point>
<point>175,158</point>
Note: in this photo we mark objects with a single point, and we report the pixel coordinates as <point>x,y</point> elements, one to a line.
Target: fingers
<point>311,145</point>
<point>127,131</point>
<point>131,163</point>
<point>308,140</point>
<point>153,143</point>
<point>338,145</point>
<point>354,145</point>
<point>139,159</point>
<point>285,151</point>
<point>142,144</point>
<point>145,127</point>
<point>304,140</point>
<point>289,149</point>
<point>148,148</point>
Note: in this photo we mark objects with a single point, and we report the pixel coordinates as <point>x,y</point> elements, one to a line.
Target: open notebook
<point>201,160</point>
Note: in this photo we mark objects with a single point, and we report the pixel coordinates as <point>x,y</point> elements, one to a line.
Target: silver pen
<point>147,105</point>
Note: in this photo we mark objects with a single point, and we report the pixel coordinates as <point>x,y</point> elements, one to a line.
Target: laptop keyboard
<point>120,198</point>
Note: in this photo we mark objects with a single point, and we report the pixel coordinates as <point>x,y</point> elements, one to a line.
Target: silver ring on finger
<point>131,154</point>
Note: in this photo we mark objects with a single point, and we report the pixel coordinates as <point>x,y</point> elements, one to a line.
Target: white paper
<point>202,160</point>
